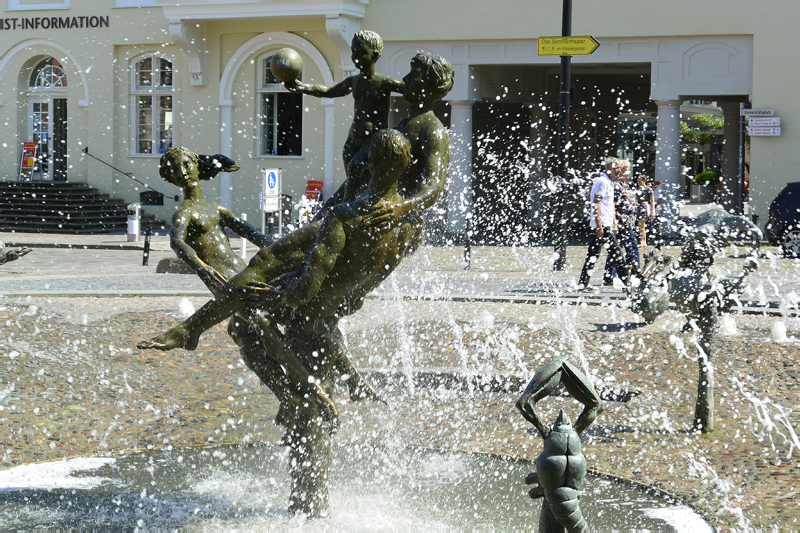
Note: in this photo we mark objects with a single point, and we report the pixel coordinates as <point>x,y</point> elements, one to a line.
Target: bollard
<point>467,245</point>
<point>244,241</point>
<point>134,219</point>
<point>146,254</point>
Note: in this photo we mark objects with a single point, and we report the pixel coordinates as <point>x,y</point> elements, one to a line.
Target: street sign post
<point>758,112</point>
<point>764,122</point>
<point>581,45</point>
<point>764,132</point>
<point>271,196</point>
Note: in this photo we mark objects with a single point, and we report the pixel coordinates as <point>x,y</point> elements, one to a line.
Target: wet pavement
<point>450,350</point>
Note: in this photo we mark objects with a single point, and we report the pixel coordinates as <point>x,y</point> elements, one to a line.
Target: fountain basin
<point>248,487</point>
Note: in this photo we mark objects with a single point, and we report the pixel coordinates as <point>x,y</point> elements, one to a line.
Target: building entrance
<point>48,129</point>
<point>47,120</point>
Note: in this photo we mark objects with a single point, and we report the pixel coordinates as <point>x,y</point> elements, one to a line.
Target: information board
<point>28,162</point>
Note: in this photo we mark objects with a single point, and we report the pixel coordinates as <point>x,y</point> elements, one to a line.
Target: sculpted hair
<point>370,39</point>
<point>390,150</point>
<point>172,157</point>
<point>439,71</point>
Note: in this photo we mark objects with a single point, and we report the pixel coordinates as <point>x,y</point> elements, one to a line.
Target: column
<point>668,160</point>
<point>459,187</point>
<point>226,148</point>
<point>730,158</point>
<point>330,149</point>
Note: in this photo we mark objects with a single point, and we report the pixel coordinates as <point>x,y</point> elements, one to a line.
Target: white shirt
<point>604,188</point>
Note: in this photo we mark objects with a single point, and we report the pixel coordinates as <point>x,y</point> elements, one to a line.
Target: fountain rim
<point>648,489</point>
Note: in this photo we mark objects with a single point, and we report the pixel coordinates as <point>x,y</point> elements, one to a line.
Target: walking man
<point>603,222</point>
<point>625,208</point>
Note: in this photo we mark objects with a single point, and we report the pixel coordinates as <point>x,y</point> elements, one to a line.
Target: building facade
<point>125,79</point>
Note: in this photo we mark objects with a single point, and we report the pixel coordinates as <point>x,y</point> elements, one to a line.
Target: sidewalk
<point>90,242</point>
<point>108,265</point>
<point>74,384</point>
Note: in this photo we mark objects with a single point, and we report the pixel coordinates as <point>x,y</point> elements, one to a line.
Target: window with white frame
<point>48,75</point>
<point>151,95</point>
<point>279,115</point>
<point>30,5</point>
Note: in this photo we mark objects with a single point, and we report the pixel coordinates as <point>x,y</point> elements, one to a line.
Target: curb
<point>772,309</point>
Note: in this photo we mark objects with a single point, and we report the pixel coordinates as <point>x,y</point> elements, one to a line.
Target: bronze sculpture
<point>371,93</point>
<point>696,293</point>
<point>309,279</point>
<point>12,255</point>
<point>561,467</point>
<point>197,236</point>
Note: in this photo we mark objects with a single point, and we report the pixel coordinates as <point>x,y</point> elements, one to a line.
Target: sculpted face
<point>183,170</point>
<point>416,84</point>
<point>362,55</point>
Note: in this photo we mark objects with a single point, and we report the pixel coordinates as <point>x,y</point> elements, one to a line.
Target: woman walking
<point>645,201</point>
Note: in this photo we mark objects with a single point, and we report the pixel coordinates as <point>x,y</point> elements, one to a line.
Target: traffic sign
<point>578,45</point>
<point>764,132</point>
<point>758,112</point>
<point>272,189</point>
<point>764,122</point>
<point>272,204</point>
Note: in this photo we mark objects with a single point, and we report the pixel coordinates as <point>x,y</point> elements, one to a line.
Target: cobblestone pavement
<point>72,382</point>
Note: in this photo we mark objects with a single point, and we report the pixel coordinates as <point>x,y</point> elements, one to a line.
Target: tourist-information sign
<point>764,122</point>
<point>272,190</point>
<point>578,45</point>
<point>764,132</point>
<point>758,112</point>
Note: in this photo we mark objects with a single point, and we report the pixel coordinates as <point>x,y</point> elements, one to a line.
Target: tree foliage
<point>706,130</point>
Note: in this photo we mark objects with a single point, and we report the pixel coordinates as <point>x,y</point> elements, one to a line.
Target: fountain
<point>180,440</point>
<point>310,278</point>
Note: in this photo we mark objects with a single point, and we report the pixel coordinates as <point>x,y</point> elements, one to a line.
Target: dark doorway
<point>59,139</point>
<point>501,172</point>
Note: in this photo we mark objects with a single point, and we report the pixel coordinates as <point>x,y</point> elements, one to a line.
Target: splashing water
<point>772,418</point>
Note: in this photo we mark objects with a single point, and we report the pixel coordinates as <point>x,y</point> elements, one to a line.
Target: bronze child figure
<point>198,239</point>
<point>371,93</point>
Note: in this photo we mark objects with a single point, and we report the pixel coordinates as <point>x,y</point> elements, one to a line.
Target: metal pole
<point>468,244</point>
<point>563,142</point>
<point>244,241</point>
<point>740,203</point>
<point>146,253</point>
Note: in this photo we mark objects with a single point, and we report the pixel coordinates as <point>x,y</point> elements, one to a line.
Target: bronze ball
<point>286,65</point>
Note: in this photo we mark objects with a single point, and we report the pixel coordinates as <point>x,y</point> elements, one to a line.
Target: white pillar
<point>226,148</point>
<point>668,159</point>
<point>459,188</point>
<point>730,158</point>
<point>330,149</point>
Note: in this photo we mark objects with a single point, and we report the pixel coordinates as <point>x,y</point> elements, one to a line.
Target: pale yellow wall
<point>776,65</point>
<point>104,53</point>
<point>225,38</point>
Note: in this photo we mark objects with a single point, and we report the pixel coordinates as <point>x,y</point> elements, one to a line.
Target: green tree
<point>706,130</point>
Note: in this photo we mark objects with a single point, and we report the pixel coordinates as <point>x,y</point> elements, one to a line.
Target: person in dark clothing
<point>604,225</point>
<point>625,207</point>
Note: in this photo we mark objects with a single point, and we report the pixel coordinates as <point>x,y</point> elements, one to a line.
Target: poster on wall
<point>28,162</point>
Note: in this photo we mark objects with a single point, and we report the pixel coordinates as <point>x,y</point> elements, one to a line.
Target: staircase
<point>62,207</point>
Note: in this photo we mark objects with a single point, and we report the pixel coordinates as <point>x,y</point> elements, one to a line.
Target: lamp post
<point>560,222</point>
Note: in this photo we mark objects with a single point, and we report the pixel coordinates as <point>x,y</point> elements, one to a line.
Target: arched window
<point>151,95</point>
<point>48,75</point>
<point>279,115</point>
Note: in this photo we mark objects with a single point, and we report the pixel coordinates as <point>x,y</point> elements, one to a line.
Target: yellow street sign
<point>579,45</point>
